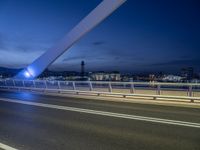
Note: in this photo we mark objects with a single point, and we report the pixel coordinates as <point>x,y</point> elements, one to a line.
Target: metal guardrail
<point>189,91</point>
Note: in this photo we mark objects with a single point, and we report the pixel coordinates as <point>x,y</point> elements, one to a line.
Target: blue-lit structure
<point>102,11</point>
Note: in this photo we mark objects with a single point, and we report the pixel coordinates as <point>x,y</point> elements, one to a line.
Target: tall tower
<point>82,69</point>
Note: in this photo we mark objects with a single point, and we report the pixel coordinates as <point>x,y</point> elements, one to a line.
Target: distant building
<point>115,76</point>
<point>126,78</point>
<point>152,77</point>
<point>195,81</point>
<point>76,78</point>
<point>99,76</point>
<point>102,76</point>
<point>172,78</point>
<point>187,73</point>
<point>52,78</point>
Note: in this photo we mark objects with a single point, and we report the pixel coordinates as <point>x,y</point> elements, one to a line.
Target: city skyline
<point>139,37</point>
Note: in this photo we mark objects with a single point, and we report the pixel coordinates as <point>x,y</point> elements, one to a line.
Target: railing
<point>188,91</point>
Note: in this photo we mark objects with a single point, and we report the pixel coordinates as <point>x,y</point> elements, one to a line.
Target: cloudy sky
<point>141,36</point>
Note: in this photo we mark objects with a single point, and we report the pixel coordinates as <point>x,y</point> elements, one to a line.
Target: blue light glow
<point>31,71</point>
<point>27,74</point>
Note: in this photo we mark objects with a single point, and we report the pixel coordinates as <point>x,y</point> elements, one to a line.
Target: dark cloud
<point>183,62</point>
<point>72,58</point>
<point>98,43</point>
<point>23,48</point>
<point>2,42</point>
<point>88,58</point>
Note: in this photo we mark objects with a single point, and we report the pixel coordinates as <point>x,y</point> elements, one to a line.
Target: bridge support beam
<point>102,11</point>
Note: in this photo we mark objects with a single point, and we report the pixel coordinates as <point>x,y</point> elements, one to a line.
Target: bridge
<point>90,115</point>
<point>38,114</point>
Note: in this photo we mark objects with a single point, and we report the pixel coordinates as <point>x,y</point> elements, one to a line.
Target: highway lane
<point>166,112</point>
<point>30,127</point>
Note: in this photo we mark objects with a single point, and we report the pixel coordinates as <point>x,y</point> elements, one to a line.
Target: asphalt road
<point>29,127</point>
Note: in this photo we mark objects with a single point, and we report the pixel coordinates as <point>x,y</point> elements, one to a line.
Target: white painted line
<point>6,147</point>
<point>110,114</point>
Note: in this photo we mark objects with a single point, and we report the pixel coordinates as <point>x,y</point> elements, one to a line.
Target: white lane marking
<point>6,147</point>
<point>110,114</point>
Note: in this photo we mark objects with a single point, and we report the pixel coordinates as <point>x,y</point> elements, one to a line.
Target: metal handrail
<point>116,82</point>
<point>110,86</point>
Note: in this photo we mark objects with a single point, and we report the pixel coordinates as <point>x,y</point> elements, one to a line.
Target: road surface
<point>41,122</point>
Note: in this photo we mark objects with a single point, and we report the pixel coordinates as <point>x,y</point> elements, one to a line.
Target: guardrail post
<point>13,83</point>
<point>190,92</point>
<point>90,84</point>
<point>59,87</point>
<point>5,82</point>
<point>23,84</point>
<point>58,84</point>
<point>45,84</point>
<point>74,86</point>
<point>110,87</point>
<point>6,85</point>
<point>158,90</point>
<point>34,86</point>
<point>132,88</point>
<point>124,85</point>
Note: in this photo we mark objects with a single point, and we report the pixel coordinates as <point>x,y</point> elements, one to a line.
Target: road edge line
<point>6,147</point>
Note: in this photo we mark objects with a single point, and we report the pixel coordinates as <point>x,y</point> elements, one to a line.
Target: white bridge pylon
<point>102,11</point>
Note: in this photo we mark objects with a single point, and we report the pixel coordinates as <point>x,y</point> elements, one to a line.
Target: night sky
<point>141,36</point>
